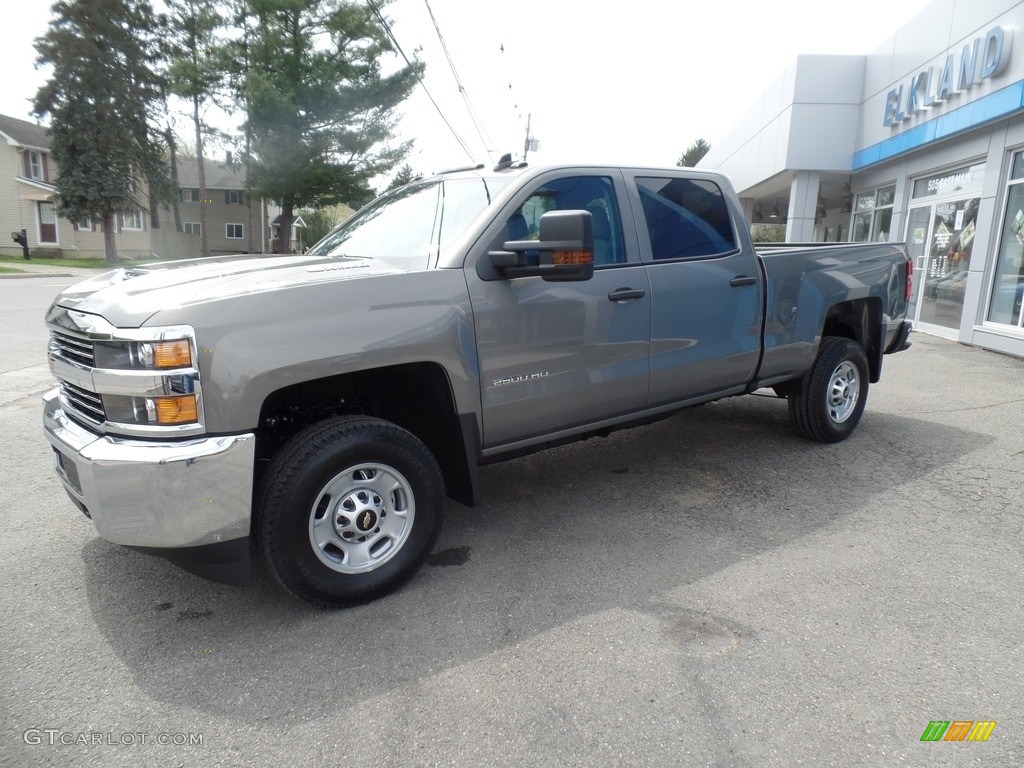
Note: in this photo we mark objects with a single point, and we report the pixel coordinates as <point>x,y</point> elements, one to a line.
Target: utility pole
<point>526,144</point>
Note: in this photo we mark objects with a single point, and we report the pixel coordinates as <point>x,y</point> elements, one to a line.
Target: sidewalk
<point>29,269</point>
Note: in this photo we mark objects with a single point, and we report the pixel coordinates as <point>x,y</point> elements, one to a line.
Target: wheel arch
<point>416,396</point>
<point>859,320</point>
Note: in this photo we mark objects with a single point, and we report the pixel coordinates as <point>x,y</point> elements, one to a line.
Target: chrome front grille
<point>71,349</point>
<point>87,404</point>
<point>106,387</point>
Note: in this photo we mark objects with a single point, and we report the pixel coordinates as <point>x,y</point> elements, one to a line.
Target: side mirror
<point>564,252</point>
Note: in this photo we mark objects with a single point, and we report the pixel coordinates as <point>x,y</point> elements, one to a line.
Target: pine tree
<point>320,110</point>
<point>102,101</point>
<point>195,73</point>
<point>693,154</point>
<point>404,175</point>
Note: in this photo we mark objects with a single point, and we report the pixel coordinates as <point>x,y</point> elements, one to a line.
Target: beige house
<point>234,224</point>
<point>28,202</point>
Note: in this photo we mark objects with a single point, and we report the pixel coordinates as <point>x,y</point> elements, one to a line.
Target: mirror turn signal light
<point>572,257</point>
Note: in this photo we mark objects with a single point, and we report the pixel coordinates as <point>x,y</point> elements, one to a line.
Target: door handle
<point>740,280</point>
<point>625,294</point>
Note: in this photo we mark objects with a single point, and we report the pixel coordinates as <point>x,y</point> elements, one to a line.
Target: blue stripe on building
<point>995,106</point>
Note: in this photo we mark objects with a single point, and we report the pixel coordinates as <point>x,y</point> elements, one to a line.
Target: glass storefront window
<point>882,225</point>
<point>861,228</point>
<point>873,217</point>
<point>1008,288</point>
<point>1018,166</point>
<point>944,280</point>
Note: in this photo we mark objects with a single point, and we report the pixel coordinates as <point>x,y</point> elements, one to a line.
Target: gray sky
<point>636,84</point>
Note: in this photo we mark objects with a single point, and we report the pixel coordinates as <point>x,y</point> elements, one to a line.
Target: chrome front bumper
<point>188,495</point>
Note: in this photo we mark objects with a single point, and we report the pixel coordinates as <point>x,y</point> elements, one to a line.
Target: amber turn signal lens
<point>176,410</point>
<point>171,354</point>
<point>572,257</point>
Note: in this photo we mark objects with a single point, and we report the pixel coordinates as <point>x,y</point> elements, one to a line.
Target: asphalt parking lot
<point>710,590</point>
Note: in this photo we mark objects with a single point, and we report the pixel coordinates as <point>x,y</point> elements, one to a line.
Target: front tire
<point>829,400</point>
<point>349,510</point>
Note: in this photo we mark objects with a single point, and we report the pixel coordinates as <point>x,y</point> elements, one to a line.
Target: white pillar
<point>803,201</point>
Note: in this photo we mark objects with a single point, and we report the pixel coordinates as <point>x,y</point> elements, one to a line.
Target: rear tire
<point>829,400</point>
<point>349,510</point>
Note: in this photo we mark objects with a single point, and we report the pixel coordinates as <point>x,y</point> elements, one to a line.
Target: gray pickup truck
<point>318,408</point>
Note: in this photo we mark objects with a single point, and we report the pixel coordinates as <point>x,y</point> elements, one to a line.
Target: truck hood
<point>128,297</point>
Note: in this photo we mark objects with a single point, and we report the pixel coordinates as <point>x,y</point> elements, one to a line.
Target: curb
<point>15,276</point>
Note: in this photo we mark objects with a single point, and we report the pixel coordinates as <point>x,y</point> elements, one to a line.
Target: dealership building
<point>920,141</point>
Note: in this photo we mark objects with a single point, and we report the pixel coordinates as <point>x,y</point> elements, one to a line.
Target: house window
<point>84,224</point>
<point>189,195</point>
<point>872,217</point>
<point>193,228</point>
<point>47,223</point>
<point>35,165</point>
<point>232,197</point>
<point>233,231</point>
<point>132,221</point>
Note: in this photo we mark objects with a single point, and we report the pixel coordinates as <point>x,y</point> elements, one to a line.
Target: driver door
<point>562,355</point>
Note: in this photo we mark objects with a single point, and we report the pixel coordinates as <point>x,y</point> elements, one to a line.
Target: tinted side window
<point>575,193</point>
<point>685,217</point>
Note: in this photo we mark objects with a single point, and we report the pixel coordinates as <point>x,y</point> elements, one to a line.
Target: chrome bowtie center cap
<point>366,520</point>
<point>358,513</point>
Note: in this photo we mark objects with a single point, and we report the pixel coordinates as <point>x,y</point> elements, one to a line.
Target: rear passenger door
<point>706,288</point>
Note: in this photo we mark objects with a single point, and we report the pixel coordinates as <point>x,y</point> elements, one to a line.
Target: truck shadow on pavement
<point>604,525</point>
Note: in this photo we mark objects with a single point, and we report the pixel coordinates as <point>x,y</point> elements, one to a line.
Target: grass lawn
<point>10,271</point>
<point>86,263</point>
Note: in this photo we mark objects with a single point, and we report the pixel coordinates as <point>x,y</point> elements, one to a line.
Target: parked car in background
<point>950,286</point>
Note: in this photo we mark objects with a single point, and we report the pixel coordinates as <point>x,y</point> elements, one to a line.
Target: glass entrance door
<point>941,240</point>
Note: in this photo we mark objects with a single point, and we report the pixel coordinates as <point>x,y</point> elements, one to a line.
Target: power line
<point>477,124</point>
<point>391,35</point>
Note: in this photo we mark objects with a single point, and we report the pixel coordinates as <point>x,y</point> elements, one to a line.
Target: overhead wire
<point>391,35</point>
<point>481,132</point>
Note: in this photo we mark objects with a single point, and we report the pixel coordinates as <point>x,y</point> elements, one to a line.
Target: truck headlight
<point>142,355</point>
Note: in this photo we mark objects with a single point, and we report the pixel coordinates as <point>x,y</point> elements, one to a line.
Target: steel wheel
<point>348,510</point>
<point>843,392</point>
<point>827,402</point>
<point>362,518</point>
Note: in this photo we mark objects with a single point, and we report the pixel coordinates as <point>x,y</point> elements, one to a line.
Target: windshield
<point>408,226</point>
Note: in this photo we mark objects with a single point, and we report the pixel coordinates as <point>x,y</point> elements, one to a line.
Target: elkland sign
<point>982,59</point>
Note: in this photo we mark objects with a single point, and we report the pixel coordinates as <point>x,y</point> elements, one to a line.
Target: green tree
<point>768,233</point>
<point>102,102</point>
<point>320,110</point>
<point>693,154</point>
<point>320,222</point>
<point>404,175</point>
<point>196,71</point>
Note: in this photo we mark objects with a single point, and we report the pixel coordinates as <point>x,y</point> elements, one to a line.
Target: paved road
<point>709,590</point>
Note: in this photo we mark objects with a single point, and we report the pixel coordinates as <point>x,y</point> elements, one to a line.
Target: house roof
<point>298,222</point>
<point>22,133</point>
<point>219,175</point>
